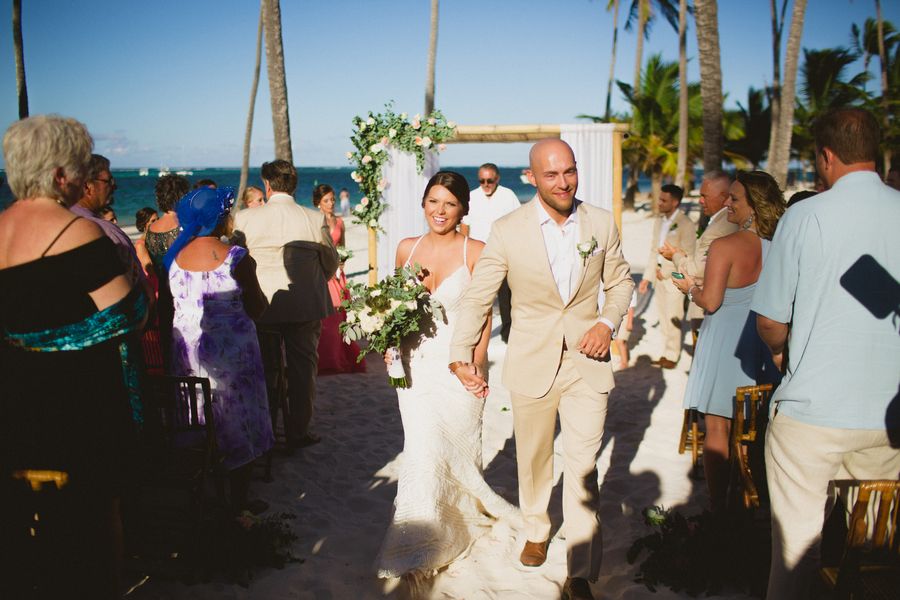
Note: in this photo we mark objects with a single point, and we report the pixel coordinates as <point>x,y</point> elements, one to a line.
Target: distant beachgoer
<point>296,258</point>
<point>675,228</point>
<point>345,202</point>
<point>208,183</point>
<point>729,352</point>
<point>253,197</point>
<point>216,294</point>
<point>335,356</point>
<point>489,202</point>
<point>829,274</point>
<point>158,238</point>
<point>66,305</point>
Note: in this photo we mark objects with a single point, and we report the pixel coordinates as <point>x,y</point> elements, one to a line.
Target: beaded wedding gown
<point>443,502</point>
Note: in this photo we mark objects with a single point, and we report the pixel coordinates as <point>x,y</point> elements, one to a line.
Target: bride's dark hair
<point>455,184</point>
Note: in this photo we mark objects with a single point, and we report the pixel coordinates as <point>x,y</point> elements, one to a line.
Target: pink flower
<point>442,147</point>
<point>366,159</point>
<point>418,141</point>
<point>364,201</point>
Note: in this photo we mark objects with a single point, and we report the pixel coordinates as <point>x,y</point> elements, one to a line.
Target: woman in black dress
<point>66,305</point>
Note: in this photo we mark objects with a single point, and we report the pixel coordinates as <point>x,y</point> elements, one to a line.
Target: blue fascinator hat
<point>199,213</point>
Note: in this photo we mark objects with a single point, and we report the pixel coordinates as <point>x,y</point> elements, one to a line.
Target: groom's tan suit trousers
<point>544,371</point>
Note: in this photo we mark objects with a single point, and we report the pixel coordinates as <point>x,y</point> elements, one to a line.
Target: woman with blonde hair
<point>67,304</point>
<point>729,351</point>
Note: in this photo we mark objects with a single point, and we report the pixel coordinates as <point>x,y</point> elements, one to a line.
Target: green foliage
<point>747,130</point>
<point>386,314</point>
<point>372,137</point>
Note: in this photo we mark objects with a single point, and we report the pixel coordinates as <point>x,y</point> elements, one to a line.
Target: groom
<point>557,254</point>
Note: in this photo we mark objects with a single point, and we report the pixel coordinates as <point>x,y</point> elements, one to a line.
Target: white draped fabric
<point>403,215</point>
<point>593,147</point>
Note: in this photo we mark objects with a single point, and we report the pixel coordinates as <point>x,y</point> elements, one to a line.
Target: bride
<point>443,503</point>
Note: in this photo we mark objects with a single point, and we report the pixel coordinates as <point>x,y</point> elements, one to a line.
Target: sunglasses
<point>111,182</point>
<point>487,180</point>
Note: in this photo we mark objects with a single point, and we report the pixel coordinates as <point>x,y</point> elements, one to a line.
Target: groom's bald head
<point>554,174</point>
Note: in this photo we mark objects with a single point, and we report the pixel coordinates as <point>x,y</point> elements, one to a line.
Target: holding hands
<point>471,377</point>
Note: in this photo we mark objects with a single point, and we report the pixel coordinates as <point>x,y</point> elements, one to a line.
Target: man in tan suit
<point>557,254</point>
<point>714,190</point>
<point>295,257</point>
<point>674,227</point>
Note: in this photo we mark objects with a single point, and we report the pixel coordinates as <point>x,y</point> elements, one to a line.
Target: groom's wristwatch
<point>455,365</point>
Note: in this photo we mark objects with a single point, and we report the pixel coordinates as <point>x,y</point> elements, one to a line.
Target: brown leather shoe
<point>534,553</point>
<point>665,363</point>
<point>577,588</point>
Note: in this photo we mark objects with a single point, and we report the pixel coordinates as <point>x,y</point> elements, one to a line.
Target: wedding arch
<point>395,156</point>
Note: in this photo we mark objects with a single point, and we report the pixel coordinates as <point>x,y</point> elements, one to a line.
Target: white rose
<point>373,223</point>
<point>382,185</point>
<point>376,148</point>
<point>366,159</point>
<point>349,155</point>
<point>359,208</point>
<point>403,116</point>
<point>431,121</point>
<point>442,147</point>
<point>370,121</point>
<point>355,177</point>
<point>367,323</point>
<point>411,304</point>
<point>375,293</point>
<point>584,247</point>
<point>364,201</point>
<point>395,304</point>
<point>451,124</point>
<point>392,133</point>
<point>426,141</point>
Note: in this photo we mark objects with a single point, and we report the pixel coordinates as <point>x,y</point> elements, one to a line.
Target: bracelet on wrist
<point>690,292</point>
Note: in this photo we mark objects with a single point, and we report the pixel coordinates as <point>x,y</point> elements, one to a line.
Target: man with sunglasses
<point>97,194</point>
<point>488,203</point>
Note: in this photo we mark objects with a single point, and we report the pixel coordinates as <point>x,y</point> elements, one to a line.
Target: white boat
<point>164,171</point>
<point>143,172</point>
<point>184,173</point>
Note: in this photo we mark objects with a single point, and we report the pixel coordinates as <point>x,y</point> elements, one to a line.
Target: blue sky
<point>167,83</point>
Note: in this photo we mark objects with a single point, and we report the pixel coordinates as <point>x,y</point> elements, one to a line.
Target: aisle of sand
<point>342,489</point>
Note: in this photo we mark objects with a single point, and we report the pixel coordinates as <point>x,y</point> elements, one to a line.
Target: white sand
<point>341,489</point>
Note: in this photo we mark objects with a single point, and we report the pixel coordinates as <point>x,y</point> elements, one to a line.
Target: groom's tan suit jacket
<point>541,322</point>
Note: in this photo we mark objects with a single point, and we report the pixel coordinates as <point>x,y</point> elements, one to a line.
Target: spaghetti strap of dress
<point>466,252</point>
<point>58,235</point>
<point>411,252</point>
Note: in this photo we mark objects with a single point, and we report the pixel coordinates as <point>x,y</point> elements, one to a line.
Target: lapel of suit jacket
<point>536,254</point>
<point>584,235</point>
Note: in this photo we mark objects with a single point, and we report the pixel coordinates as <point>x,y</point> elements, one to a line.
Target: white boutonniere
<point>586,249</point>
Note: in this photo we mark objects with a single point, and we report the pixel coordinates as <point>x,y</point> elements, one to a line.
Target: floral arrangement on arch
<point>372,137</point>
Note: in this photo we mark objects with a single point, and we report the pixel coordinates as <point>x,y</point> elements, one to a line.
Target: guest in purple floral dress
<point>215,293</point>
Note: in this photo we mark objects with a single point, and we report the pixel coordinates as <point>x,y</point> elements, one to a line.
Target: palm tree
<point>432,56</point>
<point>707,26</point>
<point>782,98</point>
<point>614,4</point>
<point>865,41</point>
<point>21,86</point>
<point>245,164</point>
<point>281,124</point>
<point>652,141</point>
<point>681,171</point>
<point>885,103</point>
<point>747,146</point>
<point>824,86</point>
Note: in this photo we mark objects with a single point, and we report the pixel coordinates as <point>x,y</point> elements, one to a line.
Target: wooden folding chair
<point>179,449</point>
<point>870,566</point>
<point>751,405</point>
<point>691,436</point>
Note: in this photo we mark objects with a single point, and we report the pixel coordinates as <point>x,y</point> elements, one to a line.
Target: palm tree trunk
<point>884,82</point>
<point>612,60</point>
<point>643,16</point>
<point>775,95</point>
<point>432,56</point>
<point>277,83</point>
<point>245,164</point>
<point>656,181</point>
<point>21,86</point>
<point>780,144</point>
<point>707,27</point>
<point>681,169</point>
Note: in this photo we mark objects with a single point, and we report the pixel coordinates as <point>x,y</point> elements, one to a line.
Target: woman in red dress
<point>335,356</point>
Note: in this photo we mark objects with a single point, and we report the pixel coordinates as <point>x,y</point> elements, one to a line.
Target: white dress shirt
<point>483,210</point>
<point>664,226</point>
<point>561,243</point>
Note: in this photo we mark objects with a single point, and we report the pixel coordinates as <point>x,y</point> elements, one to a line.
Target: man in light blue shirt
<point>831,279</point>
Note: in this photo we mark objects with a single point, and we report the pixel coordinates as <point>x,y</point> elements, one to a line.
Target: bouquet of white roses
<point>344,253</point>
<point>385,314</point>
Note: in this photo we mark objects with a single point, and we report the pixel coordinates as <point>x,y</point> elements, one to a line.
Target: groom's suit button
<point>534,554</point>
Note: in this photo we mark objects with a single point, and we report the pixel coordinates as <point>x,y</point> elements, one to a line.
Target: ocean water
<point>134,191</point>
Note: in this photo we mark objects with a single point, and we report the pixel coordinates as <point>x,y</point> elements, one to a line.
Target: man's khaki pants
<point>801,460</point>
<point>582,414</point>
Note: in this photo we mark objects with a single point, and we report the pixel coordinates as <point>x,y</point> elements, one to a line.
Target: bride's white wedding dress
<point>443,502</point>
